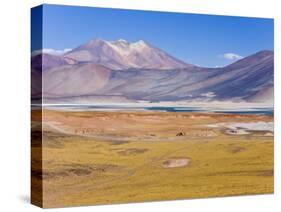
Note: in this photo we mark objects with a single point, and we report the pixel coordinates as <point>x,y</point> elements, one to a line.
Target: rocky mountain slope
<point>122,71</point>
<point>121,54</point>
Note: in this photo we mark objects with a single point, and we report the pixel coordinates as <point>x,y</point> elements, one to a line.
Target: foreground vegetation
<point>86,165</point>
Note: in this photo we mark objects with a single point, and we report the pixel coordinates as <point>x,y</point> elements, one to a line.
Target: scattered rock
<point>181,134</point>
<point>237,132</point>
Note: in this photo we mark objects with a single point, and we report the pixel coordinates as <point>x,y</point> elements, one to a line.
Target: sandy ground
<point>117,157</point>
<point>176,162</point>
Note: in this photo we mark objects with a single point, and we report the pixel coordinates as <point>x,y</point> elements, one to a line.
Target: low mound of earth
<point>176,162</point>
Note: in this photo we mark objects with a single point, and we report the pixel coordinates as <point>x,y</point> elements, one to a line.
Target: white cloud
<point>208,94</point>
<point>231,56</point>
<point>56,51</point>
<point>51,51</point>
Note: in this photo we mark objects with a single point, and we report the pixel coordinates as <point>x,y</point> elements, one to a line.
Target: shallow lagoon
<point>255,111</point>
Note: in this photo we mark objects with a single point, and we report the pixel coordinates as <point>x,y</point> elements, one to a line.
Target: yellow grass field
<point>116,157</point>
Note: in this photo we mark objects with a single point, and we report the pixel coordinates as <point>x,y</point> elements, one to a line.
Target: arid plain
<point>95,157</point>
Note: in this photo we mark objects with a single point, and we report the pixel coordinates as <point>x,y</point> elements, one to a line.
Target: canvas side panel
<point>36,107</point>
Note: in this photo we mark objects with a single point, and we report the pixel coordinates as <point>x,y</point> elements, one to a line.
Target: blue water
<point>263,111</point>
<point>256,111</point>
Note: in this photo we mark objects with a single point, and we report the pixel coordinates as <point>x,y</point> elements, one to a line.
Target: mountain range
<point>120,71</point>
<point>121,54</point>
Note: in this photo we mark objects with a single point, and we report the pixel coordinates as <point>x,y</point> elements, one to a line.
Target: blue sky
<point>203,40</point>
